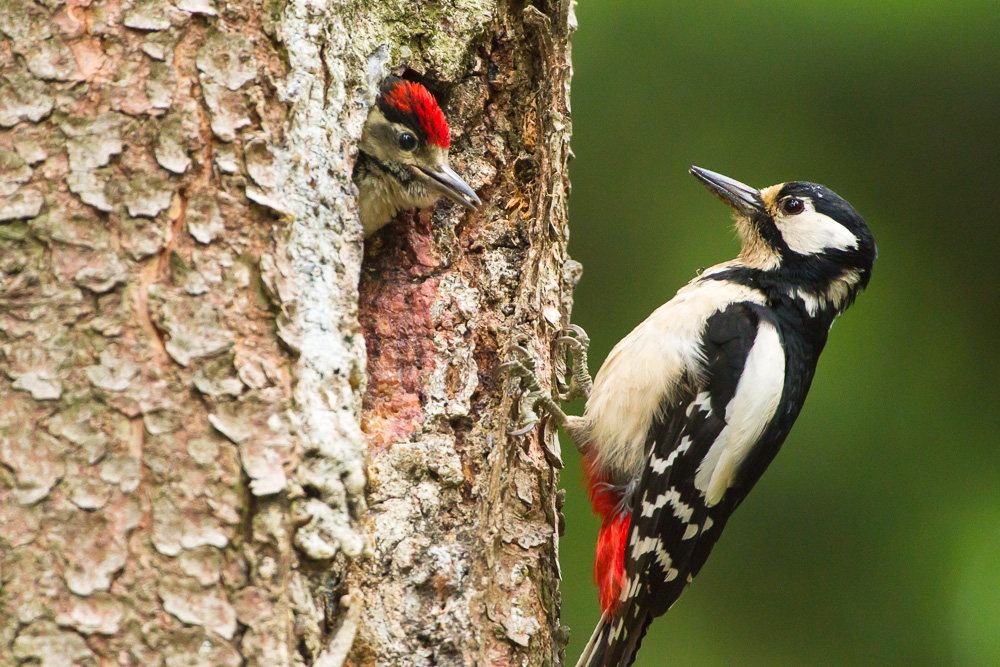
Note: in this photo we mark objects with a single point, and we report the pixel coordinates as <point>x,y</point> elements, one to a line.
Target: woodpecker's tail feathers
<point>605,650</point>
<point>593,652</point>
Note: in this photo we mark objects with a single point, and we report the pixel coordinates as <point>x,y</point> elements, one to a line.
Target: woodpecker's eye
<point>407,141</point>
<point>792,206</point>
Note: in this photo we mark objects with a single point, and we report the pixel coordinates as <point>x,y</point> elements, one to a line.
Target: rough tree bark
<point>230,433</point>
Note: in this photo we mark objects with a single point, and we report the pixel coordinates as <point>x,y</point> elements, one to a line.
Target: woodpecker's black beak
<point>443,179</point>
<point>740,196</point>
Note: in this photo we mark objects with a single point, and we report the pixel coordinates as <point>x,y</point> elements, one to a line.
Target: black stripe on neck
<point>401,174</point>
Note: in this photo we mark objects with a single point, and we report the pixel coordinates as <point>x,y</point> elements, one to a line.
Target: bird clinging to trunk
<point>690,408</point>
<point>403,156</point>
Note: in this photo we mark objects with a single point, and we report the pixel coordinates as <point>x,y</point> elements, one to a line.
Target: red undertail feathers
<point>609,562</point>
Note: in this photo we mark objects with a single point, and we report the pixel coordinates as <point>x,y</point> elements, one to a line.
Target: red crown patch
<point>412,100</point>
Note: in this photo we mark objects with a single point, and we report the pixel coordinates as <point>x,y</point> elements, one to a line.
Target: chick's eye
<point>792,206</point>
<point>407,141</point>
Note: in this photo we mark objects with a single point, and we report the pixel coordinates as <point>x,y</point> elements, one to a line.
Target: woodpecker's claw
<point>580,382</point>
<point>578,330</point>
<point>528,361</point>
<point>568,340</point>
<point>533,399</point>
<point>508,366</point>
<point>524,370</point>
<point>524,430</point>
<point>516,367</point>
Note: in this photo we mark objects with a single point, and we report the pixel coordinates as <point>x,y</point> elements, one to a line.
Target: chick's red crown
<point>413,105</point>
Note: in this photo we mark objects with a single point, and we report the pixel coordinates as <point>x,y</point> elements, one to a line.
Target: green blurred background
<point>874,538</point>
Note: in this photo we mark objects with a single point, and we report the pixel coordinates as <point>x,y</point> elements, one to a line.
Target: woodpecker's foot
<point>534,400</point>
<point>580,382</point>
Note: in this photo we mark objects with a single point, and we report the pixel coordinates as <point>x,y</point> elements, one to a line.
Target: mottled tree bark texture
<point>232,432</point>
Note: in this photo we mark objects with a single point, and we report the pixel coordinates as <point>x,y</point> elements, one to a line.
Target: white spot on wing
<point>747,414</point>
<point>708,524</point>
<point>681,448</point>
<point>630,588</point>
<point>690,531</point>
<point>633,590</point>
<point>654,546</point>
<point>682,510</point>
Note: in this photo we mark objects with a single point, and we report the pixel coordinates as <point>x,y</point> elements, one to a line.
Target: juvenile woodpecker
<point>690,408</point>
<point>403,156</point>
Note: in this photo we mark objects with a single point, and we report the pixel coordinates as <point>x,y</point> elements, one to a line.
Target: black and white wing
<point>692,481</point>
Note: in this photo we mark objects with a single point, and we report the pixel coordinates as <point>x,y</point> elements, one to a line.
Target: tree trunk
<point>231,433</point>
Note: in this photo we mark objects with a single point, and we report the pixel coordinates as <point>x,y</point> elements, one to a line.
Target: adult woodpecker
<point>690,408</point>
<point>403,156</point>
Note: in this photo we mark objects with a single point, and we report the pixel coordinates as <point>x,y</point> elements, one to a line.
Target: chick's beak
<point>740,196</point>
<point>443,179</point>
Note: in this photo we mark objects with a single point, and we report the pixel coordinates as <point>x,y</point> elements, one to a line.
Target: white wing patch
<point>747,414</point>
<point>810,233</point>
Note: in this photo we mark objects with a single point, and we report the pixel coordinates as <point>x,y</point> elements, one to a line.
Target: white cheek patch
<point>810,233</point>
